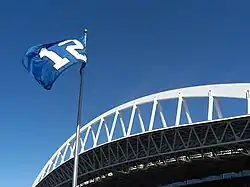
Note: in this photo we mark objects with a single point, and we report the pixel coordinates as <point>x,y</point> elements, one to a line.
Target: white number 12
<point>59,61</point>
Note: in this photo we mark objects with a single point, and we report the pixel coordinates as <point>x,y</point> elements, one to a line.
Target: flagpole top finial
<point>85,31</point>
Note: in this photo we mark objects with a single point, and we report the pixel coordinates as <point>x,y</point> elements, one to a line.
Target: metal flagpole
<point>79,120</point>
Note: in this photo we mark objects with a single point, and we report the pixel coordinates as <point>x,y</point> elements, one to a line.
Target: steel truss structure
<point>165,146</point>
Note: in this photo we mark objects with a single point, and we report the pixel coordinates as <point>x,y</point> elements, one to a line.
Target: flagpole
<point>79,120</point>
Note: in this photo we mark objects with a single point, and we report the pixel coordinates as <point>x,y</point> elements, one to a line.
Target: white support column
<point>93,135</point>
<point>85,139</point>
<point>178,113</point>
<point>122,124</point>
<point>72,149</point>
<point>185,105</point>
<point>113,126</point>
<point>44,172</point>
<point>140,119</point>
<point>162,115</point>
<point>106,128</point>
<point>217,108</point>
<point>59,154</point>
<point>51,163</point>
<point>131,120</point>
<point>210,106</point>
<point>98,133</point>
<point>152,119</point>
<point>248,102</point>
<point>64,153</point>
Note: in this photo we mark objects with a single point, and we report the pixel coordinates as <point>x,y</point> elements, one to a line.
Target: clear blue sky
<point>135,48</point>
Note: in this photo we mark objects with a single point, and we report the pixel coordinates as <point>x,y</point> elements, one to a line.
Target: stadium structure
<point>195,136</point>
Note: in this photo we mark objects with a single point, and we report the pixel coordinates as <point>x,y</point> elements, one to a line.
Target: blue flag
<point>46,62</point>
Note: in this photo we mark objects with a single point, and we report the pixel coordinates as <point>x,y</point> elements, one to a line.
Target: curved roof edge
<point>229,90</point>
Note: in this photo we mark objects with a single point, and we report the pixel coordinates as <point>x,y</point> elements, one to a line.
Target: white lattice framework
<point>93,129</point>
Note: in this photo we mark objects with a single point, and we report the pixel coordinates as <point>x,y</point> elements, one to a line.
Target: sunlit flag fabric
<point>46,62</point>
